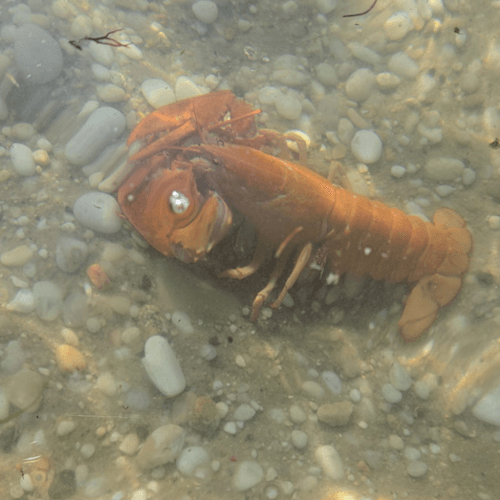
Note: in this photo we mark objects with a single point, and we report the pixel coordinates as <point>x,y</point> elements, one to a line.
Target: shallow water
<point>429,91</point>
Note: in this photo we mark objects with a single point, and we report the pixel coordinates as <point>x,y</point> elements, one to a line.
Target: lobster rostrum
<point>296,212</point>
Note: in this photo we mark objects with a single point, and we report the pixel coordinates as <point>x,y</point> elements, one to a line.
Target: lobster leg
<point>240,273</point>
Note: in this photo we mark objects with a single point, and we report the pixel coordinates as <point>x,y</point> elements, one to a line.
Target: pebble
<point>493,223</point>
<point>398,171</point>
<point>332,381</point>
<point>110,93</point>
<point>157,92</point>
<point>22,159</point>
<point>63,485</point>
<point>230,428</point>
<point>162,446</point>
<point>205,11</point>
<point>71,253</point>
<point>468,176</point>
<point>129,444</point>
<point>288,107</point>
<point>186,88</point>
<point>102,128</point>
<point>99,212</point>
<point>399,377</point>
<point>387,80</point>
<point>24,390</point>
<point>103,54</point>
<point>247,474</point>
<point>299,439</point>
<point>244,412</point>
<point>13,357</point>
<point>70,359</point>
<point>162,366</point>
<point>23,302</point>
<point>326,74</point>
<point>416,468</point>
<point>487,409</point>
<point>75,309</point>
<point>398,26</point>
<point>17,256</point>
<point>87,450</point>
<point>335,414</point>
<point>190,459</point>
<point>268,95</point>
<point>26,483</point>
<point>444,190</point>
<point>65,427</point>
<point>106,384</point>
<point>48,300</point>
<point>313,389</point>
<point>391,394</point>
<point>395,442</point>
<point>326,6</point>
<point>403,65</point>
<point>360,84</point>
<point>38,56</point>
<point>182,322</point>
<point>366,146</point>
<point>329,460</point>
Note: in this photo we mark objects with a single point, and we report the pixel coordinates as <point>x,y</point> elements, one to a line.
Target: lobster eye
<point>179,202</point>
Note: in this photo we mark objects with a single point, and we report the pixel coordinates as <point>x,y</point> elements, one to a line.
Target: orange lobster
<point>294,210</point>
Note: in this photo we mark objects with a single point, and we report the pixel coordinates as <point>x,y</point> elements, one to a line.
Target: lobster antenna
<point>233,120</point>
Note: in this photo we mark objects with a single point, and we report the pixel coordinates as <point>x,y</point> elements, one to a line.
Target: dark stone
<point>63,486</point>
<point>8,438</point>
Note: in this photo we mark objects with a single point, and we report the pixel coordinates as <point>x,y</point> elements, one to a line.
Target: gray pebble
<point>468,177</point>
<point>391,394</point>
<point>75,310</point>
<point>399,377</point>
<point>70,254</point>
<point>48,300</point>
<point>38,56</point>
<point>99,212</point>
<point>416,468</point>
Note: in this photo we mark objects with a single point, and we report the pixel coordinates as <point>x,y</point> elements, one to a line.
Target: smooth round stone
<point>65,427</point>
<point>191,458</point>
<point>391,394</point>
<point>468,177</point>
<point>268,95</point>
<point>157,92</point>
<point>205,11</point>
<point>403,65</point>
<point>70,254</point>
<point>111,93</point>
<point>81,27</point>
<point>23,302</point>
<point>99,212</point>
<point>313,389</point>
<point>106,384</point>
<point>399,377</point>
<point>332,381</point>
<point>488,407</point>
<point>162,446</point>
<point>288,107</point>
<point>299,439</point>
<point>38,56</point>
<point>162,366</point>
<point>14,357</point>
<point>130,444</point>
<point>444,169</point>
<point>398,171</point>
<point>75,309</point>
<point>87,450</point>
<point>23,131</point>
<point>360,84</point>
<point>48,300</point>
<point>247,475</point>
<point>244,412</point>
<point>24,390</point>
<point>398,26</point>
<point>103,54</point>
<point>416,468</point>
<point>328,458</point>
<point>444,190</point>
<point>102,128</point>
<point>182,322</point>
<point>186,88</point>
<point>22,159</point>
<point>366,146</point>
<point>326,74</point>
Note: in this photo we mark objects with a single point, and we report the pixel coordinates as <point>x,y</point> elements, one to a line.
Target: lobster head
<point>165,206</point>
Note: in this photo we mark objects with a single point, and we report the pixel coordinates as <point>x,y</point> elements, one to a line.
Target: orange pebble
<point>70,359</point>
<point>97,276</point>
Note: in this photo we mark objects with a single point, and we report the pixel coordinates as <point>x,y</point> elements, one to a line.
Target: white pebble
<point>268,95</point>
<point>403,65</point>
<point>182,322</point>
<point>65,427</point>
<point>23,302</point>
<point>398,26</point>
<point>129,444</point>
<point>488,407</point>
<point>191,458</point>
<point>444,190</point>
<point>422,389</point>
<point>26,483</point>
<point>102,128</point>
<point>240,361</point>
<point>288,107</point>
<point>416,468</point>
<point>360,84</point>
<point>391,394</point>
<point>106,384</point>
<point>299,439</point>
<point>244,412</point>
<point>297,414</point>
<point>366,146</point>
<point>387,80</point>
<point>205,11</point>
<point>22,159</point>
<point>399,377</point>
<point>87,450</point>
<point>162,366</point>
<point>468,176</point>
<point>186,88</point>
<point>247,475</point>
<point>444,169</point>
<point>48,300</point>
<point>493,222</point>
<point>110,93</point>
<point>99,212</point>
<point>157,92</point>
<point>329,460</point>
<point>230,428</point>
<point>103,54</point>
<point>332,381</point>
<point>398,171</point>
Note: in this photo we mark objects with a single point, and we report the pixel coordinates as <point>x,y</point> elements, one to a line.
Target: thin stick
<point>362,13</point>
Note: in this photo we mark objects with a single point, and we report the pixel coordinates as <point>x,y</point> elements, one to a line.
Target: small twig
<point>362,13</point>
<point>103,40</point>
